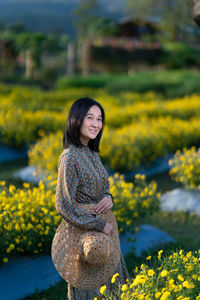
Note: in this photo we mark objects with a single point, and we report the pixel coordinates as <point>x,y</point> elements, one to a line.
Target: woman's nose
<point>95,123</point>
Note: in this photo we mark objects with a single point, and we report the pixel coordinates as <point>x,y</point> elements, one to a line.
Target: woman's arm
<point>66,206</point>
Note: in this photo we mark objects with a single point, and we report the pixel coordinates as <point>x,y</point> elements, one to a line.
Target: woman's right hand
<point>108,229</point>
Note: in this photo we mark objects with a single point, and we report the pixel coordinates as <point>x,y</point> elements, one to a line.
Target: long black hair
<point>74,122</point>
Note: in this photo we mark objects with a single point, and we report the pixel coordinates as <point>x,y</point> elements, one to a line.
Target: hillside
<point>51,15</point>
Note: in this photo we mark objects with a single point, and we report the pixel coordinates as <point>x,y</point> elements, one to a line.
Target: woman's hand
<point>108,229</point>
<point>104,204</point>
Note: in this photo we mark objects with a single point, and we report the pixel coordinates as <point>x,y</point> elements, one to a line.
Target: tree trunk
<point>70,58</point>
<point>196,11</point>
<point>29,65</point>
<point>85,58</point>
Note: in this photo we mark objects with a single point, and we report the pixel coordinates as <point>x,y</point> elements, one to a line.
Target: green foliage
<point>174,18</point>
<point>170,83</point>
<point>180,55</point>
<point>86,14</point>
<point>90,81</point>
<point>167,83</point>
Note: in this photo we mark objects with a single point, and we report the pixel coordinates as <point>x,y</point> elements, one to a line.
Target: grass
<point>183,227</point>
<point>164,182</point>
<point>56,292</point>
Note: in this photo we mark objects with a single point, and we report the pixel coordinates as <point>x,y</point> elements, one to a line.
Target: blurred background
<point>141,60</point>
<point>42,41</point>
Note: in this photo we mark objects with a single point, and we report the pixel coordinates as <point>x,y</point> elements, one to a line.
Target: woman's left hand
<point>104,204</point>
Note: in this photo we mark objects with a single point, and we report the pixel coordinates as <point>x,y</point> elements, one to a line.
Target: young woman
<point>82,179</point>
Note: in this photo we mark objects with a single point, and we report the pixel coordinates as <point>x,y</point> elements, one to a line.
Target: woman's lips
<point>93,131</point>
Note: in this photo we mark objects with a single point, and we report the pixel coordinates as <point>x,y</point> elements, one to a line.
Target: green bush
<point>176,83</point>
<point>180,55</point>
<point>91,81</point>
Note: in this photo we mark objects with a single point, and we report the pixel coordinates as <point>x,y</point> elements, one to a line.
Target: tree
<point>174,17</point>
<point>89,24</point>
<point>8,52</point>
<point>17,27</point>
<point>34,44</point>
<point>85,17</point>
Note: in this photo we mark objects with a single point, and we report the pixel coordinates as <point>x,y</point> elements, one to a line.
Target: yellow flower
<point>124,287</point>
<point>114,277</point>
<point>102,289</point>
<point>148,258</point>
<point>5,260</point>
<point>165,295</point>
<point>157,295</point>
<point>180,278</point>
<point>187,285</point>
<point>164,273</point>
<point>95,298</point>
<point>159,254</point>
<point>198,297</point>
<point>151,272</point>
<point>171,281</point>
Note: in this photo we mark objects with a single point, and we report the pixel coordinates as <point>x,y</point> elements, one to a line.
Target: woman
<point>82,179</point>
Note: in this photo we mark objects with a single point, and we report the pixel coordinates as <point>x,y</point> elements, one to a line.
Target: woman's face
<point>91,125</point>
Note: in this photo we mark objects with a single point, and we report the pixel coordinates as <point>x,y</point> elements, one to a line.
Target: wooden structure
<point>196,11</point>
<point>135,28</point>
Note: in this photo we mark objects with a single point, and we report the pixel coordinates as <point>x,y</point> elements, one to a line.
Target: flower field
<point>28,217</point>
<point>139,129</point>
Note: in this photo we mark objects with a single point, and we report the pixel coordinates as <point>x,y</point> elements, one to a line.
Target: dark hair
<point>74,122</point>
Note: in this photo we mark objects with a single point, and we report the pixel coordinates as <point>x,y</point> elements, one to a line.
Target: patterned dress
<point>82,178</point>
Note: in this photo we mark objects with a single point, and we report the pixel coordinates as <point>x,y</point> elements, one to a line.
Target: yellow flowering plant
<point>185,167</point>
<point>172,276</point>
<point>132,200</point>
<point>28,219</point>
<point>144,128</point>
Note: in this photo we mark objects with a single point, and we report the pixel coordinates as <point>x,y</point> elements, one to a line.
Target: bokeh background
<point>141,60</point>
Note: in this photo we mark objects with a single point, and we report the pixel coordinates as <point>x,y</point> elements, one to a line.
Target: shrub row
<point>172,84</point>
<point>28,217</point>
<point>126,148</point>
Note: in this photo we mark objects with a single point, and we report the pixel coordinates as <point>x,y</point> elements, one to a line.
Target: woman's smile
<point>92,125</point>
<point>93,131</point>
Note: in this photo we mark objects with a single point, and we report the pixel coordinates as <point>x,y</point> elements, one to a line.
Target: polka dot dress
<point>82,178</point>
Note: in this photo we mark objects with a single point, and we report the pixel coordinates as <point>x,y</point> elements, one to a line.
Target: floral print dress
<point>82,178</point>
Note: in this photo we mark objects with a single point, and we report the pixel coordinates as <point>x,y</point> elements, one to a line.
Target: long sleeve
<point>66,206</point>
<point>107,186</point>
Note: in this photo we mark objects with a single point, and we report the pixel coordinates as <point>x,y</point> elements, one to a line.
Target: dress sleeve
<point>66,206</point>
<point>107,186</point>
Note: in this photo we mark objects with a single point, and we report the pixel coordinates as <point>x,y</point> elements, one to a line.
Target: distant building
<point>133,43</point>
<point>135,28</point>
